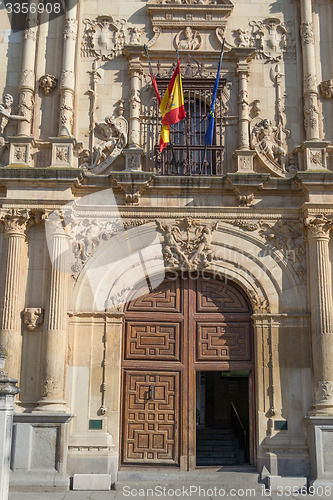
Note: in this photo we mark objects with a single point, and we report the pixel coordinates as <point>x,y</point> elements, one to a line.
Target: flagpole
<point>219,66</point>
<point>186,129</point>
<point>159,99</point>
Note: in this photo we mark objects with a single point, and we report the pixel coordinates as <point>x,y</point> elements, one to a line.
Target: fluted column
<point>15,225</point>
<point>243,107</point>
<point>27,81</point>
<point>67,80</point>
<point>318,229</point>
<point>55,340</point>
<point>135,72</point>
<point>310,86</point>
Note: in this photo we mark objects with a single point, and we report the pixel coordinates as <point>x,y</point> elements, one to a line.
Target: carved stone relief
<point>326,89</point>
<point>270,39</point>
<point>265,141</point>
<point>307,33</point>
<point>47,83</point>
<point>242,38</point>
<point>288,238</point>
<point>187,244</point>
<point>114,133</point>
<point>103,38</point>
<point>32,317</point>
<point>135,35</point>
<point>188,39</point>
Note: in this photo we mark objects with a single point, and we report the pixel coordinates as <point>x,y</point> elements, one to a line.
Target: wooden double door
<point>183,326</point>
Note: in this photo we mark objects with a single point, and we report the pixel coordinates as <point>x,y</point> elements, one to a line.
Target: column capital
<point>15,221</point>
<point>318,227</point>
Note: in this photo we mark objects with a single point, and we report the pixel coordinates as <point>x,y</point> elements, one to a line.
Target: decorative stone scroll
<point>187,244</point>
<point>104,38</point>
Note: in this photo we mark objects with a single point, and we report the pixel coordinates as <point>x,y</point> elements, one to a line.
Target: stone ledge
<point>91,482</point>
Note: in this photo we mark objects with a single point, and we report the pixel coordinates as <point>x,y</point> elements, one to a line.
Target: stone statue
<point>263,137</point>
<point>114,133</point>
<point>242,38</point>
<point>191,41</point>
<point>5,113</point>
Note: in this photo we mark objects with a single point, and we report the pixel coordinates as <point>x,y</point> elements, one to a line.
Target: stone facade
<point>89,208</point>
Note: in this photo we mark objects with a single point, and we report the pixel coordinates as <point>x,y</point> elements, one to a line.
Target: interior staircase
<point>216,447</point>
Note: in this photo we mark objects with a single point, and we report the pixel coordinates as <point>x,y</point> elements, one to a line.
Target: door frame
<point>187,372</point>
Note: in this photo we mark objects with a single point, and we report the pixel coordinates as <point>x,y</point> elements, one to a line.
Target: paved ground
<point>119,495</point>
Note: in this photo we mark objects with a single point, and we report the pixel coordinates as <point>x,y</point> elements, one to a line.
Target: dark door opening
<point>222,428</point>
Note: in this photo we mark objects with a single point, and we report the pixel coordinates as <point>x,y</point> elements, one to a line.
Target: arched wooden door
<point>183,326</point>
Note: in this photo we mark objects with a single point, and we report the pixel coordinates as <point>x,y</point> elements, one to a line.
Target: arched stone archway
<point>182,327</point>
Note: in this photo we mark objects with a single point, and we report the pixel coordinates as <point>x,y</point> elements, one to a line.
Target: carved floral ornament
<point>318,227</point>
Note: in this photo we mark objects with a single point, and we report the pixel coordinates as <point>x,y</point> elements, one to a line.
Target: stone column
<point>318,229</point>
<point>27,81</point>
<point>135,72</point>
<point>15,225</point>
<point>243,154</point>
<point>310,86</point>
<point>66,118</point>
<point>55,341</point>
<point>8,389</point>
<point>243,107</point>
<point>133,152</point>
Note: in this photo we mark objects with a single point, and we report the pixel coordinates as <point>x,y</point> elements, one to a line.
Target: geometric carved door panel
<point>182,326</point>
<point>151,429</point>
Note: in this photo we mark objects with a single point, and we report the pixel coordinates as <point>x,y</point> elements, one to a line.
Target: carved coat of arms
<point>103,38</point>
<point>269,36</point>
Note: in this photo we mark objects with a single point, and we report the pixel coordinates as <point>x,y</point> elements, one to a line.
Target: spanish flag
<point>172,106</point>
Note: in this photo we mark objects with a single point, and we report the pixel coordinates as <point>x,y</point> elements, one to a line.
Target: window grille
<point>187,154</point>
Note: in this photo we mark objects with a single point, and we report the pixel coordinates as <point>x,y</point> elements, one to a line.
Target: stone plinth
<point>8,389</point>
<point>39,454</point>
<point>320,435</point>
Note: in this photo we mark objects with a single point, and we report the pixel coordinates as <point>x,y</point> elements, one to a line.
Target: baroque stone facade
<point>94,218</point>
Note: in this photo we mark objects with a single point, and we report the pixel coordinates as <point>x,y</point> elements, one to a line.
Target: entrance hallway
<point>222,432</point>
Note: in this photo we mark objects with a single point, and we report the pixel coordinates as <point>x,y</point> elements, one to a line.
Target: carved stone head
<point>32,317</point>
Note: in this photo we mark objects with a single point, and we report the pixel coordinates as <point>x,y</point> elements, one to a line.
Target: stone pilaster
<point>318,231</point>
<point>27,81</point>
<point>310,85</point>
<point>55,341</point>
<point>67,80</point>
<point>15,225</point>
<point>8,389</point>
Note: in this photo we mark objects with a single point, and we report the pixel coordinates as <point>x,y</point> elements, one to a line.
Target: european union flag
<point>210,129</point>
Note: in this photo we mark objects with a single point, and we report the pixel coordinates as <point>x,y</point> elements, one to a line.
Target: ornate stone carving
<point>288,238</point>
<point>135,35</point>
<point>32,317</point>
<point>324,391</point>
<point>269,37</point>
<point>103,38</point>
<point>242,38</point>
<point>264,138</point>
<point>62,154</point>
<point>70,29</point>
<point>188,39</point>
<point>27,78</point>
<point>245,200</point>
<point>326,89</point>
<point>47,83</point>
<point>115,302</point>
<point>15,221</point>
<point>248,225</point>
<point>135,99</point>
<point>311,112</point>
<point>310,82</point>
<point>114,132</point>
<point>307,33</point>
<point>31,28</point>
<point>187,245</point>
<point>5,114</point>
<point>319,226</point>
